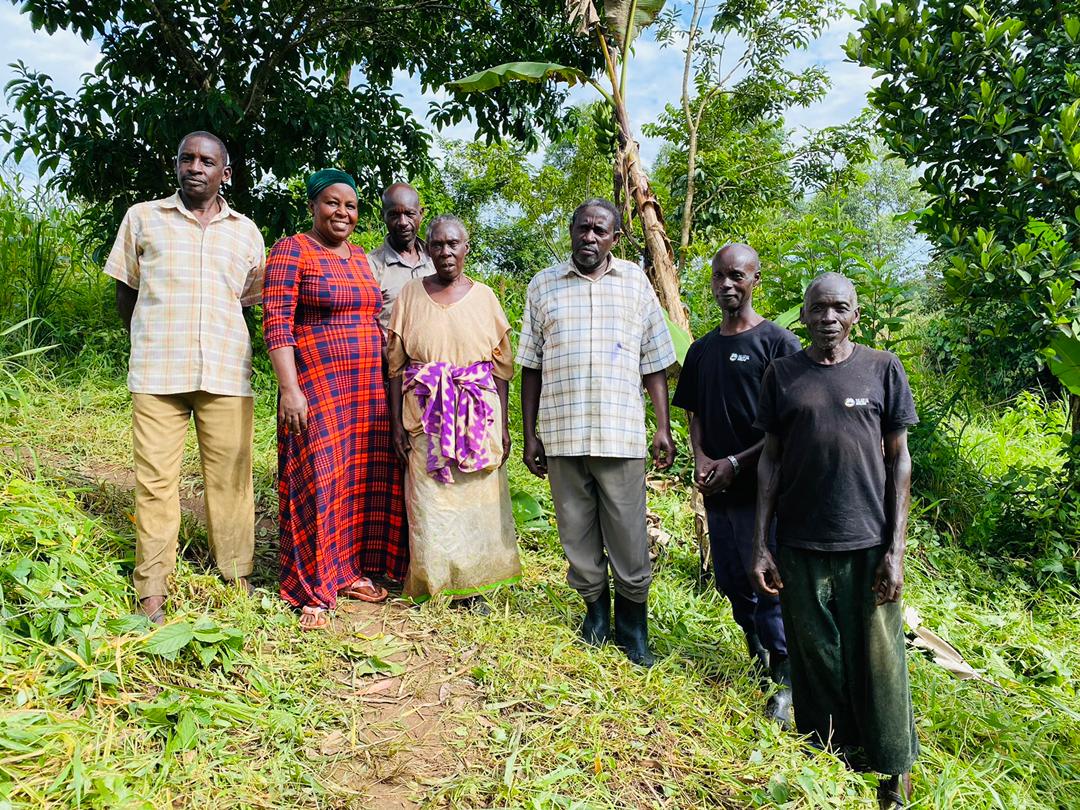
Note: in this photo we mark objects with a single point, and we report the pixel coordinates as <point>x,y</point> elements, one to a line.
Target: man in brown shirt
<point>403,255</point>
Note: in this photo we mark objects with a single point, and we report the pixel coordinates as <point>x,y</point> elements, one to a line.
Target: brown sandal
<point>320,619</point>
<point>365,590</point>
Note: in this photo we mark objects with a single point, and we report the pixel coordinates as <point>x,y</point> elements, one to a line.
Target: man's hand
<point>889,578</point>
<point>507,442</point>
<point>712,475</point>
<point>534,456</point>
<point>764,574</point>
<point>663,449</point>
<point>292,410</point>
<point>401,441</point>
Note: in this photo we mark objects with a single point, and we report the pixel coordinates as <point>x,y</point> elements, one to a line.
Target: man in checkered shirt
<point>185,267</point>
<point>592,336</point>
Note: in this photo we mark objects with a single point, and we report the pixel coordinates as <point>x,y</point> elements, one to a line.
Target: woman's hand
<point>401,440</point>
<point>292,410</point>
<point>506,442</point>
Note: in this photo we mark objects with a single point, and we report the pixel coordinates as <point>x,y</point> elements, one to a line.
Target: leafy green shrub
<point>1000,483</point>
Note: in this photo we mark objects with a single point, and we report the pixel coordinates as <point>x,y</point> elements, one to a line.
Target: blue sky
<point>655,74</point>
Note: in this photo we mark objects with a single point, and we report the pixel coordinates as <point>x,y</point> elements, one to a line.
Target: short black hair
<point>399,186</point>
<point>737,248</point>
<point>840,278</point>
<point>210,136</point>
<point>599,202</point>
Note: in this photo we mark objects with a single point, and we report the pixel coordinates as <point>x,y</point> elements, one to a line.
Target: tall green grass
<point>221,707</point>
<point>559,725</point>
<point>97,709</point>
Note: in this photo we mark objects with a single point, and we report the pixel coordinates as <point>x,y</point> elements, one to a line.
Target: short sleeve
<point>377,264</point>
<point>768,412</point>
<point>530,353</point>
<point>787,345</point>
<point>899,403</point>
<point>123,261</point>
<point>253,285</point>
<point>396,356</point>
<point>657,350</point>
<point>502,355</point>
<point>686,390</point>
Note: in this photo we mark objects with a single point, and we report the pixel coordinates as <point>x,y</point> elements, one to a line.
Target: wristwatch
<point>734,464</point>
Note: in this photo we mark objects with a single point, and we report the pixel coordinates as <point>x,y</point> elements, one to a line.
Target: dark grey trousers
<point>849,677</point>
<point>600,512</point>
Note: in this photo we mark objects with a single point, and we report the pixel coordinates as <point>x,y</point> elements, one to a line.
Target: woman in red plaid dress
<point>339,485</point>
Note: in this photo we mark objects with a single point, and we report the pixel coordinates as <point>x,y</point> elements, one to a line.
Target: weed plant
<point>560,725</point>
<point>97,709</point>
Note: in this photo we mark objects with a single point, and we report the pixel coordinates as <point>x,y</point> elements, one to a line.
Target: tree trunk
<point>692,127</point>
<point>660,268</point>
<point>688,203</point>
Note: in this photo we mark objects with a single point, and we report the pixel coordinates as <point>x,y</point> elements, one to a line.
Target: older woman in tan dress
<point>448,347</point>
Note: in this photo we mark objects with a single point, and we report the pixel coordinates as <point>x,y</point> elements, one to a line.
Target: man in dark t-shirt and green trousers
<point>719,387</point>
<point>836,472</point>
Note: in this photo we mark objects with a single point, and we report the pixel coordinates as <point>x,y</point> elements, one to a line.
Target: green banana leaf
<point>786,319</point>
<point>618,12</point>
<point>1065,364</point>
<point>484,80</point>
<point>679,336</point>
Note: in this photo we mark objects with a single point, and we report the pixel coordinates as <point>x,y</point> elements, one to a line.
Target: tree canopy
<point>275,80</point>
<point>985,100</point>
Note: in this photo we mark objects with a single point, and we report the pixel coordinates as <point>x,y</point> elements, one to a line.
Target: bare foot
<point>313,617</point>
<point>153,608</point>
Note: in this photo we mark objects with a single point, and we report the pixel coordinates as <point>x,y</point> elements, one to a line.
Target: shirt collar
<point>572,269</point>
<point>393,257</point>
<point>177,202</point>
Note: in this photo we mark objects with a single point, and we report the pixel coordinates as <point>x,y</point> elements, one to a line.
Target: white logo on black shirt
<point>851,402</point>
<point>738,358</point>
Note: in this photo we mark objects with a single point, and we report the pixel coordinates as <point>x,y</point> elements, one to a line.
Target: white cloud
<point>63,56</point>
<point>655,76</point>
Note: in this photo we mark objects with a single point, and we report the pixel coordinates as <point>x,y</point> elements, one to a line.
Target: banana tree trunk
<point>660,268</point>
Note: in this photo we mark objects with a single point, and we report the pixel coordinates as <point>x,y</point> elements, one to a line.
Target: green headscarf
<point>324,178</point>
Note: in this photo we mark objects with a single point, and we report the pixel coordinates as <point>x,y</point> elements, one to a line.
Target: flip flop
<point>321,619</point>
<point>365,590</point>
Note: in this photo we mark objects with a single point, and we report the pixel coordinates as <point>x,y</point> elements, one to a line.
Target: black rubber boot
<point>894,792</point>
<point>779,704</point>
<point>759,659</point>
<point>632,630</point>
<point>596,629</point>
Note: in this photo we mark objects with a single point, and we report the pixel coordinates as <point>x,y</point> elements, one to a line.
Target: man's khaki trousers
<point>223,425</point>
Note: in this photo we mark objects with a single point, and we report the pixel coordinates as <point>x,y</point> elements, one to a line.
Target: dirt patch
<point>406,712</point>
<point>399,696</point>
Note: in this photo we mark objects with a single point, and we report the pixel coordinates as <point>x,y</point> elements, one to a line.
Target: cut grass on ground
<point>556,724</point>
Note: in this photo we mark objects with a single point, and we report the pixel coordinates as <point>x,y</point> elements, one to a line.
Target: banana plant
<point>614,33</point>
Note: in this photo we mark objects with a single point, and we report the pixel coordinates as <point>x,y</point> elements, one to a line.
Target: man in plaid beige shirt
<point>592,335</point>
<point>185,267</point>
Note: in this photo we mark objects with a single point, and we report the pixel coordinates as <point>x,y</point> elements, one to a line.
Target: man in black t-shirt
<point>718,387</point>
<point>836,472</point>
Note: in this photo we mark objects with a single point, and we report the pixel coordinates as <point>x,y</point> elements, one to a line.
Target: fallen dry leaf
<point>380,686</point>
<point>333,743</point>
<point>941,651</point>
